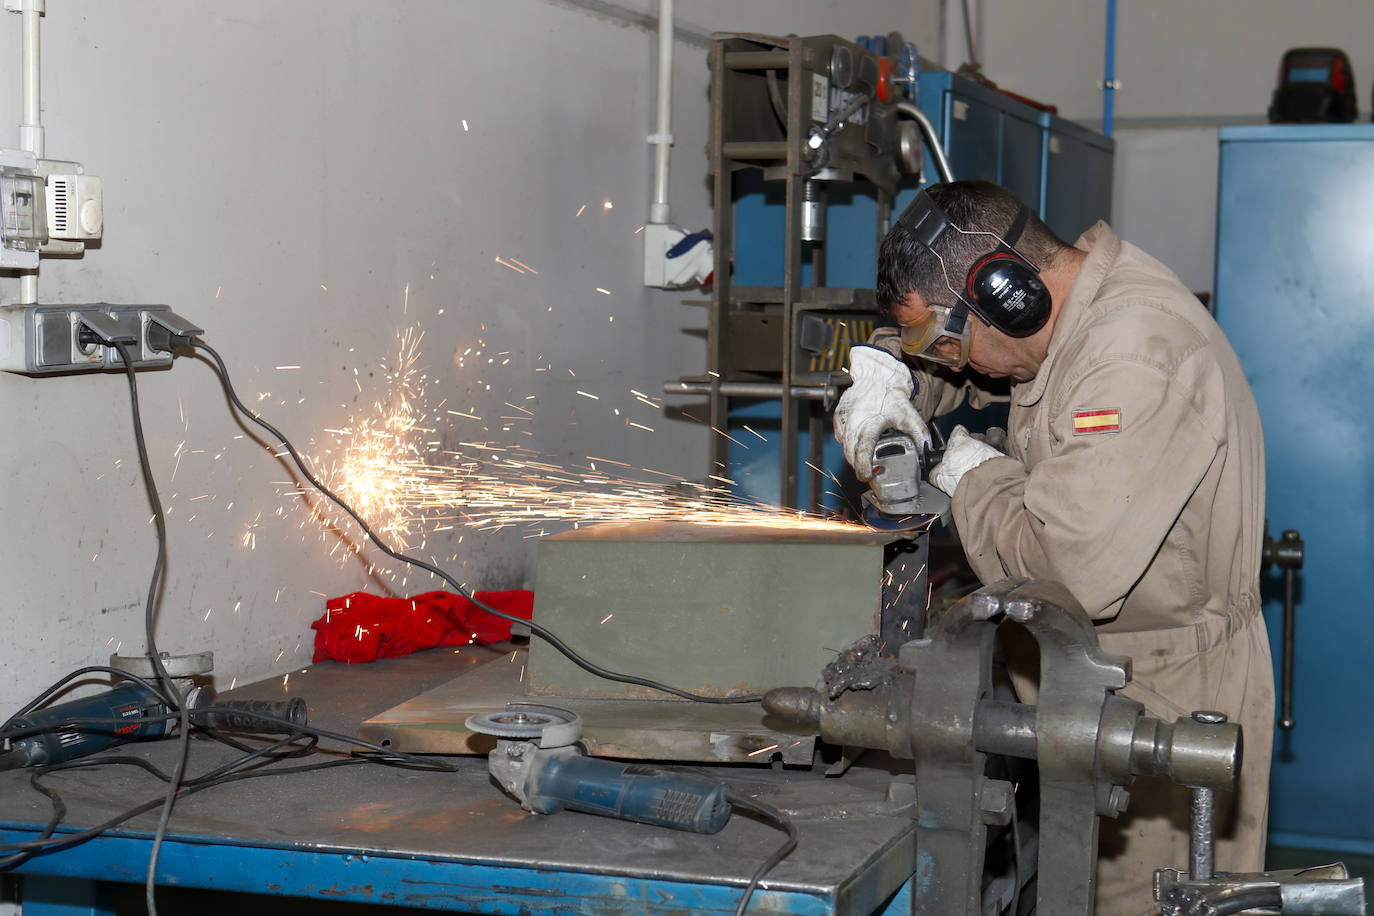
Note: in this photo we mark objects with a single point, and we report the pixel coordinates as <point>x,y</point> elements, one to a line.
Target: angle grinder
<point>899,497</point>
<point>538,761</point>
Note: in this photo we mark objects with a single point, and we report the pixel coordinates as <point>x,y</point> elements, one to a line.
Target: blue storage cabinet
<point>1295,295</point>
<point>1077,177</point>
<point>987,134</point>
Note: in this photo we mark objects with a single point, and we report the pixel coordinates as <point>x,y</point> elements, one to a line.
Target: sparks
<point>399,463</point>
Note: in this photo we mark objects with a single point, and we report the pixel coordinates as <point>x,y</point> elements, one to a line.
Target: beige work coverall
<point>1135,477</point>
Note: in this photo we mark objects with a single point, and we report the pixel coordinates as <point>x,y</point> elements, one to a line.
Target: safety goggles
<point>943,336</point>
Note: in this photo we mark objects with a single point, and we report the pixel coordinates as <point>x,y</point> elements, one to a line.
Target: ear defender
<point>1006,290</point>
<point>1003,287</point>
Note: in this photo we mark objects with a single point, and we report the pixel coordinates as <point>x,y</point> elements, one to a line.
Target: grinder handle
<point>632,792</point>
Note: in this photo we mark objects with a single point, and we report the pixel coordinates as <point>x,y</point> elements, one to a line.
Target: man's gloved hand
<point>963,453</point>
<point>879,400</point>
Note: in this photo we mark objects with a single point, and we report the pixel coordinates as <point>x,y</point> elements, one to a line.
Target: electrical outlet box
<point>46,339</point>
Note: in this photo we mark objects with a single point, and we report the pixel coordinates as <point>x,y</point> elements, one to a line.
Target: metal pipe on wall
<point>663,131</point>
<point>937,152</point>
<point>1109,78</point>
<point>31,130</point>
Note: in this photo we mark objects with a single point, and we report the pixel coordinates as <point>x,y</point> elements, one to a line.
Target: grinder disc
<point>549,725</point>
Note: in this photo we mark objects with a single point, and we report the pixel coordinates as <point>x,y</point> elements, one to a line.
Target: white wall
<point>1174,58</point>
<point>1185,67</point>
<point>1164,197</point>
<point>282,173</point>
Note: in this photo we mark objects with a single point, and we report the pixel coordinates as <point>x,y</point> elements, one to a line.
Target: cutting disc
<point>549,725</point>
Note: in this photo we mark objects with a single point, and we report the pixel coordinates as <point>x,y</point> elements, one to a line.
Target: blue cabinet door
<point>1295,295</point>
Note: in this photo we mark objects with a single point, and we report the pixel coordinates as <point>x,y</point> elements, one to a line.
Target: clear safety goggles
<point>943,336</point>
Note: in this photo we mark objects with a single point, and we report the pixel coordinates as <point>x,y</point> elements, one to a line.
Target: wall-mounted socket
<point>49,339</point>
<point>80,353</point>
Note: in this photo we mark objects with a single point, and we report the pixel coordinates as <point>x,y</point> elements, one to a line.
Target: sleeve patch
<point>1097,420</point>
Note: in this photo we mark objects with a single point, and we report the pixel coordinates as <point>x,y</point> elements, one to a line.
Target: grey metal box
<point>713,609</point>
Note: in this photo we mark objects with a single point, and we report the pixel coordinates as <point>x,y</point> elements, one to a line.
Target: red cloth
<point>363,628</point>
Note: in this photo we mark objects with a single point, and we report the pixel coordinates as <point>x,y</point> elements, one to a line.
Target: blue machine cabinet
<point>1077,185</point>
<point>1295,295</point>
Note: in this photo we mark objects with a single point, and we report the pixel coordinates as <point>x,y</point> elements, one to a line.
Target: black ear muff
<point>1007,291</point>
<point>1002,287</point>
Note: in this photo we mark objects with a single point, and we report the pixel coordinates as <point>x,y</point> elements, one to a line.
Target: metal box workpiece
<point>712,609</point>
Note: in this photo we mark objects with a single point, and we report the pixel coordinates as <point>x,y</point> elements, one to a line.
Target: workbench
<point>407,837</point>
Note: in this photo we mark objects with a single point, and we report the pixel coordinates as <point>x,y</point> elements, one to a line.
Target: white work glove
<point>879,400</point>
<point>963,453</point>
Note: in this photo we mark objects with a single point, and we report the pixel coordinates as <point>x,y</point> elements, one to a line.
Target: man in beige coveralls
<point>1134,473</point>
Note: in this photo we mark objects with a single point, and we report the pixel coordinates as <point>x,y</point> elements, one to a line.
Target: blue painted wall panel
<point>1295,295</point>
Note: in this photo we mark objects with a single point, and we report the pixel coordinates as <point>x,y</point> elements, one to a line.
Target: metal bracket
<point>1075,677</point>
<point>953,675</point>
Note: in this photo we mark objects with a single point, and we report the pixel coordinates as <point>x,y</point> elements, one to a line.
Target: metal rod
<point>1005,728</point>
<point>753,389</point>
<point>937,152</point>
<point>31,130</point>
<point>1201,826</point>
<point>1286,719</point>
<point>815,441</point>
<point>756,60</point>
<point>756,149</point>
<point>1200,835</point>
<point>723,225</point>
<point>798,105</point>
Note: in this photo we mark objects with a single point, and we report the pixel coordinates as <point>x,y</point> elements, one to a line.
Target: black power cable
<point>776,818</point>
<point>218,776</point>
<point>154,586</point>
<point>72,839</point>
<point>535,628</point>
<point>59,808</point>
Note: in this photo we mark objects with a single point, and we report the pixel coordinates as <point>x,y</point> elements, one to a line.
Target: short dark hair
<point>905,266</point>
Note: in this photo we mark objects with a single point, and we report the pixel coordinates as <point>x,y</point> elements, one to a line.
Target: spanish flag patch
<point>1097,421</point>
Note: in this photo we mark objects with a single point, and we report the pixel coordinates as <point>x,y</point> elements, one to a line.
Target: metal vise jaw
<point>939,710</point>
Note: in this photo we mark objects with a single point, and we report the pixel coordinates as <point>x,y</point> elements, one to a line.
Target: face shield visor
<point>942,337</point>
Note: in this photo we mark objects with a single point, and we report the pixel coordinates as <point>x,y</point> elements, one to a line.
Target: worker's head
<point>960,271</point>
